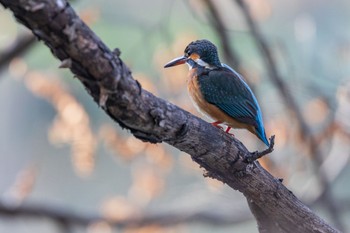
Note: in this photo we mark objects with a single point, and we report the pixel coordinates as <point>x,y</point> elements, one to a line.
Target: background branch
<point>219,27</point>
<point>18,47</point>
<point>69,218</point>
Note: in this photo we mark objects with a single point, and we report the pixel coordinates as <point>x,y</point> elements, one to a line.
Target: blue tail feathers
<point>260,131</point>
<point>262,137</point>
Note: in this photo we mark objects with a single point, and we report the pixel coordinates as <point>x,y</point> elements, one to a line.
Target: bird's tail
<point>260,132</point>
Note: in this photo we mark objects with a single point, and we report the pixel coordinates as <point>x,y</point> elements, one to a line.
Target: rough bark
<point>110,83</point>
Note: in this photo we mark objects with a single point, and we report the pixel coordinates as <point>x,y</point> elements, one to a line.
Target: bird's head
<point>199,52</point>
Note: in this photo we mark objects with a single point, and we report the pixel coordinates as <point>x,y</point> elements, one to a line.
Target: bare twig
<point>152,119</point>
<point>257,155</point>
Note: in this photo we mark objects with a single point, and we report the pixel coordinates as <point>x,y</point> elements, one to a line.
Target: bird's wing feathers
<point>227,91</point>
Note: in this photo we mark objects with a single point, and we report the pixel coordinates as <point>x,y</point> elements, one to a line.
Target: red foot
<point>216,124</point>
<point>228,131</point>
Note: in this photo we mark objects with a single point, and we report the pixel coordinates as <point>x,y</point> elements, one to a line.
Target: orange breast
<point>209,109</point>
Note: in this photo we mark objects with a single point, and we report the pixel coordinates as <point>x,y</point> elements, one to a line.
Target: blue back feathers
<point>227,90</point>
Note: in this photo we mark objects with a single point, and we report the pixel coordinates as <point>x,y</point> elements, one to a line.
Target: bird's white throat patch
<point>201,63</point>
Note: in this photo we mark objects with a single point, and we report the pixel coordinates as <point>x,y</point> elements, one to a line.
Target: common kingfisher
<point>219,91</point>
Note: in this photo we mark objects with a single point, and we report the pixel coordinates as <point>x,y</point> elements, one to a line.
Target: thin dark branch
<point>304,129</point>
<point>219,26</point>
<point>68,218</point>
<point>217,23</point>
<point>109,81</point>
<point>18,47</point>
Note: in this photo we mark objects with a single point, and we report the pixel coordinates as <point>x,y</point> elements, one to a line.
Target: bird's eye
<point>187,52</point>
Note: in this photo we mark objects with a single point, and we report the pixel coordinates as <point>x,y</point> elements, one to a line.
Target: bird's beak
<point>176,61</point>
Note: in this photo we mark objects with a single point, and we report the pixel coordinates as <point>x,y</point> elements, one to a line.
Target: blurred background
<point>67,167</point>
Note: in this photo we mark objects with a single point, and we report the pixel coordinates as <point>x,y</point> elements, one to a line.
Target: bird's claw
<point>228,131</point>
<point>257,155</point>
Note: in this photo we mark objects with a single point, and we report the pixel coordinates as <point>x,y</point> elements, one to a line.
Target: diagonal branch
<point>108,80</point>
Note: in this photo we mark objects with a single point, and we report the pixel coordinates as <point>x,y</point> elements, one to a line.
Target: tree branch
<point>109,82</point>
<point>265,223</point>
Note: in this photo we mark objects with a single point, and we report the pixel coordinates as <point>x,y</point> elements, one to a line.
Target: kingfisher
<point>220,92</point>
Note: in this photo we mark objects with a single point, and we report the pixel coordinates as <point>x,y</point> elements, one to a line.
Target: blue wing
<point>227,90</point>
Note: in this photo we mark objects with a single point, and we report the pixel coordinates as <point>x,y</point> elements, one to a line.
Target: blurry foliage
<point>22,186</point>
<point>119,208</point>
<point>71,124</point>
<point>314,63</point>
<point>99,227</point>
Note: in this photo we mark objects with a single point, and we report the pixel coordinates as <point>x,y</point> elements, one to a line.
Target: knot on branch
<point>117,52</point>
<point>158,116</point>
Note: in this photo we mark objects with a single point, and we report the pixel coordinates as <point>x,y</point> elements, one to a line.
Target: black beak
<point>176,61</point>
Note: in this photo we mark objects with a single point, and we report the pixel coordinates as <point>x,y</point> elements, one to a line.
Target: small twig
<point>257,155</point>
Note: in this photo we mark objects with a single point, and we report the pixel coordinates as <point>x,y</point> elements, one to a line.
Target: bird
<point>218,91</point>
